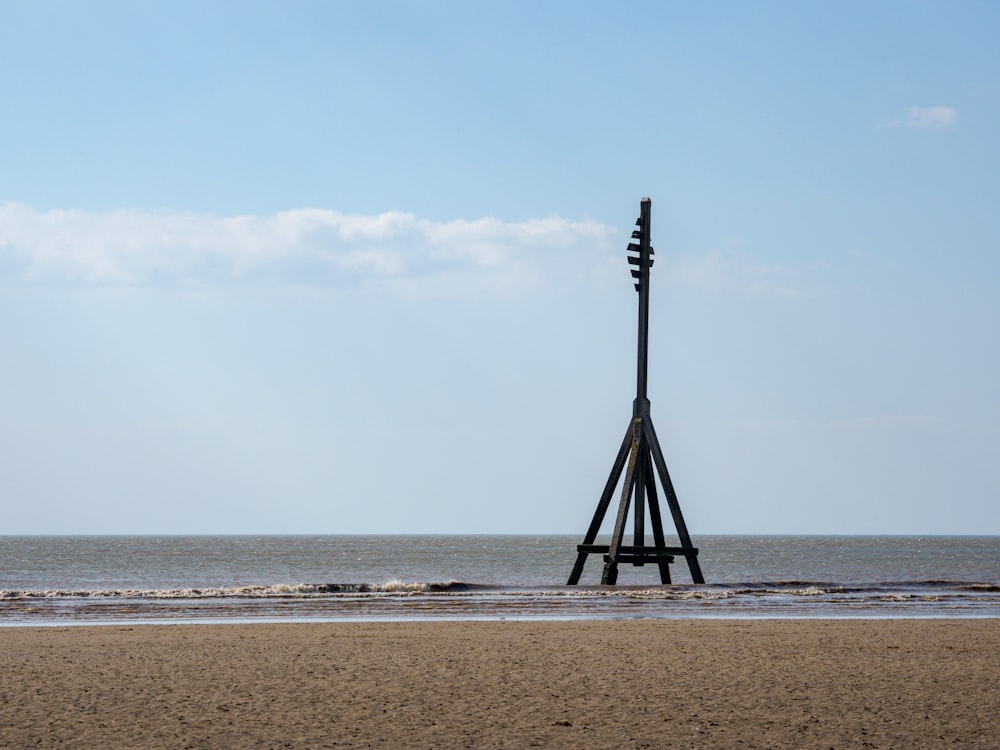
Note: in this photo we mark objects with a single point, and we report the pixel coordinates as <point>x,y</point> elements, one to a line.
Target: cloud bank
<point>314,248</point>
<point>311,247</point>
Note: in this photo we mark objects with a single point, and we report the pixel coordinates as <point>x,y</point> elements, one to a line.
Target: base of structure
<point>636,556</point>
<point>641,458</point>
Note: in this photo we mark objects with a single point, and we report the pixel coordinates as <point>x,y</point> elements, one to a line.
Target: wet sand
<point>595,684</point>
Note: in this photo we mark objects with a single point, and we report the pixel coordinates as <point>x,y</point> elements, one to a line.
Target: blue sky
<point>359,268</point>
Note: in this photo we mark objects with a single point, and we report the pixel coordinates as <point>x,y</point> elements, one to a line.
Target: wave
<point>276,590</point>
<point>887,591</point>
<point>861,587</point>
<point>984,587</point>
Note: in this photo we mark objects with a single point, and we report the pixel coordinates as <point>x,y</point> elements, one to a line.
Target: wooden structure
<point>642,460</point>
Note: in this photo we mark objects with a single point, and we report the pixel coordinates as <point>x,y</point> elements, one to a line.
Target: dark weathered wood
<point>609,487</point>
<point>574,575</point>
<point>602,505</point>
<point>671,497</point>
<point>654,516</point>
<point>617,535</point>
<point>668,487</point>
<point>625,549</point>
<point>610,575</point>
<point>643,558</point>
<point>642,353</point>
<point>639,511</point>
<point>644,458</point>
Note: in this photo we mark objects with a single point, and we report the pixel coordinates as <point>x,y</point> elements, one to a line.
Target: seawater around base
<point>119,579</point>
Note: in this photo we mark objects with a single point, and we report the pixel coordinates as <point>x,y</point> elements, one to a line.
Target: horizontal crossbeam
<point>641,559</point>
<point>651,552</point>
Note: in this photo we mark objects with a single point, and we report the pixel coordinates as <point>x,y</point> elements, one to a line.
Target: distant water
<point>60,580</point>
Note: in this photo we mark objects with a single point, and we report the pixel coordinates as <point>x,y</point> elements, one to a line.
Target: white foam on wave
<point>253,591</point>
<point>676,594</point>
<point>896,597</point>
<point>808,591</point>
<point>395,586</point>
<point>277,590</point>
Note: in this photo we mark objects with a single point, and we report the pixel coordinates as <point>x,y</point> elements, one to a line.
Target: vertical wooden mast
<point>641,458</point>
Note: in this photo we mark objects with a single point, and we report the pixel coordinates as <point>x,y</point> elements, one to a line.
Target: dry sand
<point>624,684</point>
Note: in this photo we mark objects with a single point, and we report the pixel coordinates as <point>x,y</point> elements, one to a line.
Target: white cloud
<point>937,118</point>
<point>304,246</point>
<point>931,117</point>
<point>395,251</point>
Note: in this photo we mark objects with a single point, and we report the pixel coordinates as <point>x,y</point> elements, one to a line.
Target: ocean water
<point>48,580</point>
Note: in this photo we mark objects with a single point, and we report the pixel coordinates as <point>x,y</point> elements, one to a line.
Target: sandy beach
<point>595,684</point>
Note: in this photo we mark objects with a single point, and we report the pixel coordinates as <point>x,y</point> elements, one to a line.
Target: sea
<point>87,580</point>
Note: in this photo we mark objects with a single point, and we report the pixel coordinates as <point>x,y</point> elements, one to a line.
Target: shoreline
<point>729,682</point>
<point>373,620</point>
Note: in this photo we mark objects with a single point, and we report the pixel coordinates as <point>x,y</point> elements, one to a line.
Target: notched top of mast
<point>642,260</point>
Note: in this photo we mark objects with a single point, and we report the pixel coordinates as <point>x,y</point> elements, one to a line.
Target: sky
<point>349,267</point>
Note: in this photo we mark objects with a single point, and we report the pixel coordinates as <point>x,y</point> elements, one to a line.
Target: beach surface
<point>574,684</point>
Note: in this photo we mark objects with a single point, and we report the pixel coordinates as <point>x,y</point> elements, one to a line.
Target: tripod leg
<point>671,497</point>
<point>602,505</point>
<point>654,516</point>
<point>574,576</point>
<point>610,574</point>
<point>639,514</point>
